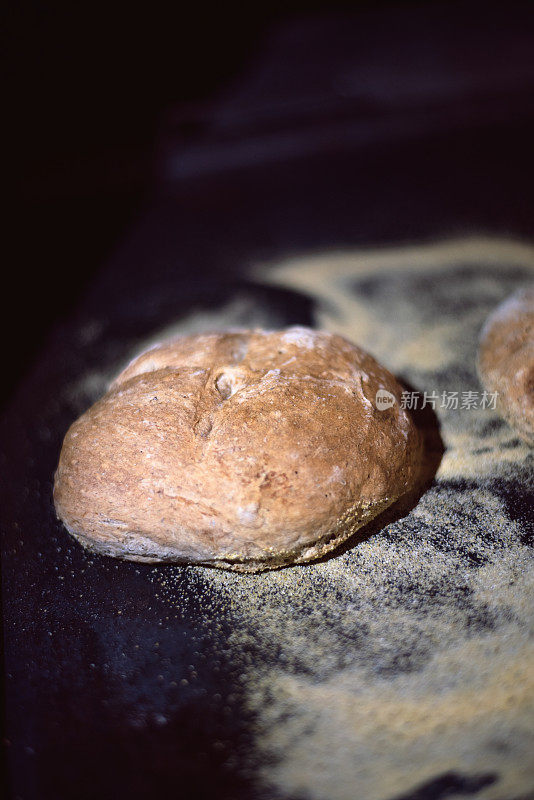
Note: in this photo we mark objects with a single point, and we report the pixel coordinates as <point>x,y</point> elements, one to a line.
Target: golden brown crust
<point>245,450</point>
<point>506,360</point>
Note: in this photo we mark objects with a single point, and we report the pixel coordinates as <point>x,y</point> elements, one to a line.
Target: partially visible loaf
<point>506,360</point>
<point>246,450</point>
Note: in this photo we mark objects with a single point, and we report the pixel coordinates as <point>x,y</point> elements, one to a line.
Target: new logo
<point>384,399</point>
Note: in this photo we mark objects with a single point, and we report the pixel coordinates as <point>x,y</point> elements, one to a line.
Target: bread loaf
<point>246,450</point>
<point>506,360</point>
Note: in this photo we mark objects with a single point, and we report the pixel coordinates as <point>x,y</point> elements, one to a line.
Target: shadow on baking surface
<point>450,785</point>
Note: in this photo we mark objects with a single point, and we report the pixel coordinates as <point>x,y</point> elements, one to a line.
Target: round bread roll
<point>246,450</point>
<point>506,360</point>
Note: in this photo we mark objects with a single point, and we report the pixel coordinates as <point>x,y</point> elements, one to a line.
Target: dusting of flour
<point>411,655</point>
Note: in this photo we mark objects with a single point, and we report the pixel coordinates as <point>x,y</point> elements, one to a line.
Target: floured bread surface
<point>247,450</point>
<point>506,360</point>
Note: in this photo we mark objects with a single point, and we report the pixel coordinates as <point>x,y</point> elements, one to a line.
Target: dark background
<point>91,87</point>
<point>88,85</point>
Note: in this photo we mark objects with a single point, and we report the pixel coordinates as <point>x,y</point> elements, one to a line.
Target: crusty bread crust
<point>506,360</point>
<point>245,450</point>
